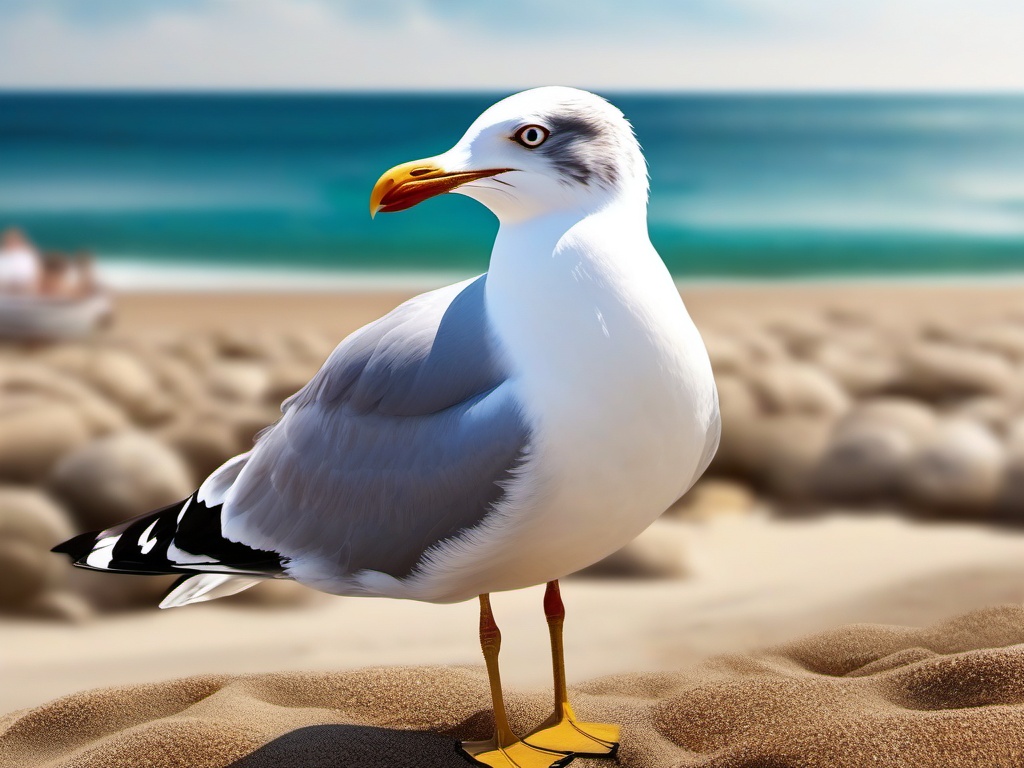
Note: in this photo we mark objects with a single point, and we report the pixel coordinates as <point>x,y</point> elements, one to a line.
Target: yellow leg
<point>562,732</point>
<point>505,749</point>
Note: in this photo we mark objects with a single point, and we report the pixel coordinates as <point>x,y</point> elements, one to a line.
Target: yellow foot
<point>563,733</point>
<point>518,754</point>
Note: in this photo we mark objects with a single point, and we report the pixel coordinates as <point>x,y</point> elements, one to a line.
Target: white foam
<point>132,275</point>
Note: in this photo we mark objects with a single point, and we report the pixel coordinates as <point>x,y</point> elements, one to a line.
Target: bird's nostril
<point>419,171</point>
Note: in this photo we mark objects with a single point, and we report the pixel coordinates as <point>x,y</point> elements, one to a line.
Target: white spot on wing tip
<point>102,553</point>
<point>184,508</point>
<point>146,544</point>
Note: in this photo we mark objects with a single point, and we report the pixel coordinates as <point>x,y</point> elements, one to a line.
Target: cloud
<point>467,44</point>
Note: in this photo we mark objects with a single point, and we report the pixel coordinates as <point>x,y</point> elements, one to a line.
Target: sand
<point>707,302</point>
<point>948,695</point>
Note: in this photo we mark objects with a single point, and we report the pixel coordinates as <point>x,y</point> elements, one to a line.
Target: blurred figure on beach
<point>21,268</point>
<point>24,270</point>
<point>68,276</point>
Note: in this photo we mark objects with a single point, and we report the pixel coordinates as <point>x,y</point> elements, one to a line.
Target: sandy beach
<point>770,549</point>
<point>708,302</point>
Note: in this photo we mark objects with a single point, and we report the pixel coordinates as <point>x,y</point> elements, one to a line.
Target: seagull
<point>492,435</point>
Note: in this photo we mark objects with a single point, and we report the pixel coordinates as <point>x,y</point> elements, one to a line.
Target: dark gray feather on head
<point>586,148</point>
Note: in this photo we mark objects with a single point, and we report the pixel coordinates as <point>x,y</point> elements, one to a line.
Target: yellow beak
<point>411,183</point>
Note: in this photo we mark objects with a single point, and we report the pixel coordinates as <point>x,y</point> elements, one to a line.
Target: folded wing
<point>406,437</point>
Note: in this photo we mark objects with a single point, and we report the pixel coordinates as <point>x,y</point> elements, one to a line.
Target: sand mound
<point>948,695</point>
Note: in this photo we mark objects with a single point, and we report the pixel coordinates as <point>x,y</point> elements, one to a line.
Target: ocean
<point>225,187</point>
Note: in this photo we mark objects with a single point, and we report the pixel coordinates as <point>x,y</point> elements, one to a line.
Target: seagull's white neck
<point>523,239</point>
<point>574,282</point>
<point>609,371</point>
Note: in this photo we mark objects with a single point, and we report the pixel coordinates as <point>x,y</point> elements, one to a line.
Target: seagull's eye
<point>531,136</point>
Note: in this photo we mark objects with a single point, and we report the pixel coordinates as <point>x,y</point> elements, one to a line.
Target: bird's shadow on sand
<point>355,746</point>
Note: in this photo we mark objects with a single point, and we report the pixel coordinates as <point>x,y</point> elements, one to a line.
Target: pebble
<point>239,381</point>
<point>936,370</point>
<point>739,409</point>
<point>864,461</point>
<point>30,524</point>
<point>203,444</point>
<point>35,433</point>
<point>114,478</point>
<point>836,406</point>
<point>797,388</point>
<point>712,497</point>
<point>119,376</point>
<point>959,469</point>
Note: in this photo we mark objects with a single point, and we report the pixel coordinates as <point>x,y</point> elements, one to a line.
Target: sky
<point>706,45</point>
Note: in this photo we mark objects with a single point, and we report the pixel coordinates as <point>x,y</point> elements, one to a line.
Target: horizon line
<point>160,90</point>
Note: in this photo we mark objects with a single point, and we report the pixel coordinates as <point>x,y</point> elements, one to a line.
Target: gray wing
<point>403,439</point>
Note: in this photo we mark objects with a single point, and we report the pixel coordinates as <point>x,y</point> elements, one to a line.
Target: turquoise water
<point>741,186</point>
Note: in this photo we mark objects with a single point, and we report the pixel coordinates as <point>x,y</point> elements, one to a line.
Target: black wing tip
<point>77,548</point>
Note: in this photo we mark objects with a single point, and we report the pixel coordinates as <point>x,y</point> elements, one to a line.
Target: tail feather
<point>209,586</point>
<point>185,537</point>
<point>78,547</point>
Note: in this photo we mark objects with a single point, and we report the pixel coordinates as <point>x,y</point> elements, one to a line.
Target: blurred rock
<point>797,388</point>
<point>118,375</point>
<point>114,478</point>
<point>761,346</point>
<point>959,469</point>
<point>942,329</point>
<point>657,553</point>
<point>849,316</point>
<point>28,514</point>
<point>727,354</point>
<point>238,381</point>
<point>99,414</point>
<point>774,452</point>
<point>993,412</point>
<point>1015,436</point>
<point>800,332</point>
<point>711,498</point>
<point>176,379</point>
<point>26,573</point>
<point>936,371</point>
<point>858,373</point>
<point>871,448</point>
<point>1010,500</point>
<point>1005,339</point>
<point>285,379</point>
<point>30,524</point>
<point>787,451</point>
<point>57,605</point>
<point>914,418</point>
<point>196,350</point>
<point>236,344</point>
<point>310,346</point>
<point>739,409</point>
<point>35,433</point>
<point>203,444</point>
<point>864,461</point>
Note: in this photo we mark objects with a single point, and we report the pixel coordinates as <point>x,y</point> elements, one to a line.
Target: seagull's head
<point>543,150</point>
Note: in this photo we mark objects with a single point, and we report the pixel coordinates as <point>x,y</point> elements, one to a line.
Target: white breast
<point>618,389</point>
